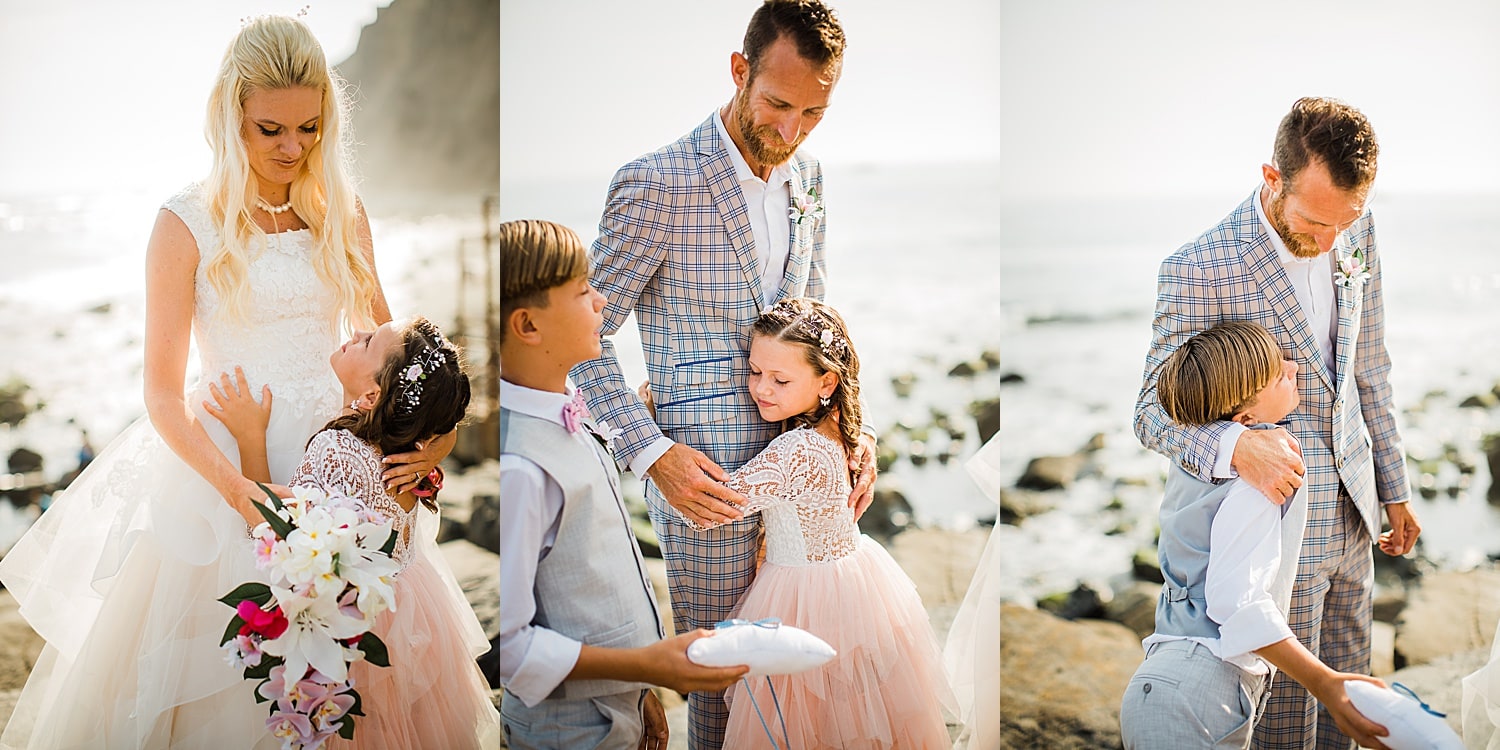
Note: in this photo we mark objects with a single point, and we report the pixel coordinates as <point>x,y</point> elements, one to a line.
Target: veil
<point>972,653</point>
<point>1481,704</point>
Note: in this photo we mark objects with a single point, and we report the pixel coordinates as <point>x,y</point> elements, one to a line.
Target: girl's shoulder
<point>805,439</point>
<point>341,441</point>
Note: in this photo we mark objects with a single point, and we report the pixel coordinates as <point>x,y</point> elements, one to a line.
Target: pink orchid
<point>293,729</point>
<point>249,649</point>
<point>326,713</point>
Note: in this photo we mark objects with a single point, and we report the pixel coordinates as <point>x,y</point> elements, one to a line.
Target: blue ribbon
<point>770,623</point>
<point>1408,692</point>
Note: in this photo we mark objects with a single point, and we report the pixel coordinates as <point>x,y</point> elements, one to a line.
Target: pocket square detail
<point>766,646</point>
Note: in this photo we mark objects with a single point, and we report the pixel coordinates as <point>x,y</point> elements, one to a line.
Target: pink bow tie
<point>574,412</point>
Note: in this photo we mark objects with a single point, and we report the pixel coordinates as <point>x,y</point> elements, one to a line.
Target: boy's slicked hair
<point>1217,373</point>
<point>535,256</point>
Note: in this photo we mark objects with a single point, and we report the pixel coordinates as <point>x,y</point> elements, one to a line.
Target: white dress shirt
<point>1247,567</point>
<point>767,203</point>
<point>533,659</point>
<point>1312,285</point>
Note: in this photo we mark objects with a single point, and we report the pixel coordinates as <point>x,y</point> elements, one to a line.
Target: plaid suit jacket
<point>675,248</point>
<point>1346,429</point>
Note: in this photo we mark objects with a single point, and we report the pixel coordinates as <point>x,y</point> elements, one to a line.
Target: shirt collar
<point>781,174</point>
<point>532,402</point>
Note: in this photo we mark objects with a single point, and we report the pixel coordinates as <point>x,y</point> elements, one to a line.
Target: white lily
<point>313,624</point>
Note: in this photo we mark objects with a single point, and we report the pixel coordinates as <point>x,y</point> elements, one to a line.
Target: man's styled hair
<point>809,24</point>
<point>535,256</point>
<point>1217,373</point>
<point>1331,132</point>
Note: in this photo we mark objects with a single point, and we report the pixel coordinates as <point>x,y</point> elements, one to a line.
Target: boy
<point>580,638</point>
<point>1228,557</point>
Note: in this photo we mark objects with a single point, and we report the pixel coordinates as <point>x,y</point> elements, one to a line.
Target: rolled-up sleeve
<point>1244,556</point>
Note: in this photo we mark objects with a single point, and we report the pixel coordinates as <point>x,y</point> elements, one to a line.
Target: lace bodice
<point>337,461</point>
<point>800,487</point>
<point>291,320</point>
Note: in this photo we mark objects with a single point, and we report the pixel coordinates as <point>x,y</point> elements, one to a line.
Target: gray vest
<point>585,588</point>
<point>1187,515</point>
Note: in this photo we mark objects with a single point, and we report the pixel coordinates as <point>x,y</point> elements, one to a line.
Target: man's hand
<point>1404,531</point>
<point>1271,461</point>
<point>1350,721</point>
<point>654,718</point>
<point>862,463</point>
<point>691,483</point>
<point>667,665</point>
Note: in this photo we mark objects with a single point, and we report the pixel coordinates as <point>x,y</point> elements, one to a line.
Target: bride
<point>261,263</point>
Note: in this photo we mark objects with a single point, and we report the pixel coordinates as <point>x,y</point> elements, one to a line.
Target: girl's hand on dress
<point>404,470</point>
<point>237,409</point>
<point>654,718</point>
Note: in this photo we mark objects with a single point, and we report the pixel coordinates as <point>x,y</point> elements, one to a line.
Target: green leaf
<point>375,651</point>
<point>261,698</point>
<point>390,543</point>
<point>281,526</point>
<point>275,500</point>
<point>346,729</point>
<point>358,709</point>
<point>262,671</point>
<point>253,591</point>
<point>233,629</point>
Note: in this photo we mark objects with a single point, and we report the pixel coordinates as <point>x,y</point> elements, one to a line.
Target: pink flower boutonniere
<point>1352,270</point>
<point>806,206</point>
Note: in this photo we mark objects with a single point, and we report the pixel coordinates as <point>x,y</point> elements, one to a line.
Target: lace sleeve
<point>768,479</point>
<point>337,461</point>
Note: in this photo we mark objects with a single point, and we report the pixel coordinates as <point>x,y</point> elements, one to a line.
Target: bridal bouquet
<point>330,576</point>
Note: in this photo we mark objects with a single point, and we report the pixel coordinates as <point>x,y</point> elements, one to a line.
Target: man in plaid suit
<point>1299,257</point>
<point>697,239</point>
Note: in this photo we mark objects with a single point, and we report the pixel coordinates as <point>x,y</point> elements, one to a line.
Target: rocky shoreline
<point>1067,653</point>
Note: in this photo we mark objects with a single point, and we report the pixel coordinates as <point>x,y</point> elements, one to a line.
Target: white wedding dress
<point>121,575</point>
<point>1481,704</point>
<point>972,653</point>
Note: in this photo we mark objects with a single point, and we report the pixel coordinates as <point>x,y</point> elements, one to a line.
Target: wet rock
<point>986,414</point>
<point>1051,472</point>
<point>991,359</point>
<point>1063,680</point>
<point>1448,613</point>
<point>23,461</point>
<point>484,522</point>
<point>1012,377</point>
<point>1135,607</point>
<point>1095,443</point>
<point>1019,505</point>
<point>1389,601</point>
<point>965,369</point>
<point>1146,566</point>
<point>15,403</point>
<point>1492,456</point>
<point>903,383</point>
<point>1082,601</point>
<point>1485,400</point>
<point>889,513</point>
<point>101,309</point>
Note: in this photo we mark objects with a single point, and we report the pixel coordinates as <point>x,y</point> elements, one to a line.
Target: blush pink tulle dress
<point>886,688</point>
<point>432,695</point>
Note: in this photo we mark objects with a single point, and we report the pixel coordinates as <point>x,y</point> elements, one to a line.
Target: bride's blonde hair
<point>278,52</point>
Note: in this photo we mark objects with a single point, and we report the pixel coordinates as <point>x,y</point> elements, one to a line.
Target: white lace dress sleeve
<point>337,461</point>
<point>764,480</point>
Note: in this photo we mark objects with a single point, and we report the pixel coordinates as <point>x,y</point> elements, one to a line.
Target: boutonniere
<point>1352,270</point>
<point>603,433</point>
<point>806,206</point>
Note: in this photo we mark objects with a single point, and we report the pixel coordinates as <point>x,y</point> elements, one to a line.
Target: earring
<point>354,404</point>
<point>822,400</point>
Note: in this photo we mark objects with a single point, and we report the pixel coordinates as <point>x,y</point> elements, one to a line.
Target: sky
<point>588,85</point>
<point>112,94</point>
<point>1177,97</point>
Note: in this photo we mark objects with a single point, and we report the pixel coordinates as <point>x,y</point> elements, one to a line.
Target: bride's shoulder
<point>190,206</point>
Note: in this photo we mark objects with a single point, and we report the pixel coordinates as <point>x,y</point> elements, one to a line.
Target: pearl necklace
<point>273,210</point>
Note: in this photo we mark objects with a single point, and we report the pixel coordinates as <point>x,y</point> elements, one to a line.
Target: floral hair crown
<point>817,326</point>
<point>425,362</point>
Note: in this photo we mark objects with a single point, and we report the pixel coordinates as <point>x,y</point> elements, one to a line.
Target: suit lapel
<point>718,173</point>
<point>1260,258</point>
<point>799,249</point>
<point>1348,300</point>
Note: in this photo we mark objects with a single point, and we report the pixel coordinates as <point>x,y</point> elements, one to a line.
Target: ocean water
<point>72,307</point>
<point>912,255</point>
<point>1078,283</point>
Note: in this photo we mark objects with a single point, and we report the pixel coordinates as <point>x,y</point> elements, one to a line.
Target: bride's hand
<point>236,407</point>
<point>243,497</point>
<point>404,470</point>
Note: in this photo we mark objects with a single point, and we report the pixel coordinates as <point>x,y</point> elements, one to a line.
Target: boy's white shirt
<point>533,660</point>
<point>1247,586</point>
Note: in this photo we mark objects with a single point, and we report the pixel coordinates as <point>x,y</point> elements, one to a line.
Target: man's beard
<point>1299,245</point>
<point>764,143</point>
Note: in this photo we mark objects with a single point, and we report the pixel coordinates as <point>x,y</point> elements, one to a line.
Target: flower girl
<point>404,384</point>
<point>886,687</point>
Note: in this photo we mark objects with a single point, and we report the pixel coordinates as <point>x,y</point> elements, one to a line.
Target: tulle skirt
<point>121,576</point>
<point>1481,704</point>
<point>885,689</point>
<point>432,695</point>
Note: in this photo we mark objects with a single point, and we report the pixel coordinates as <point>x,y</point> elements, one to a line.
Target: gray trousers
<point>609,722</point>
<point>1182,696</point>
